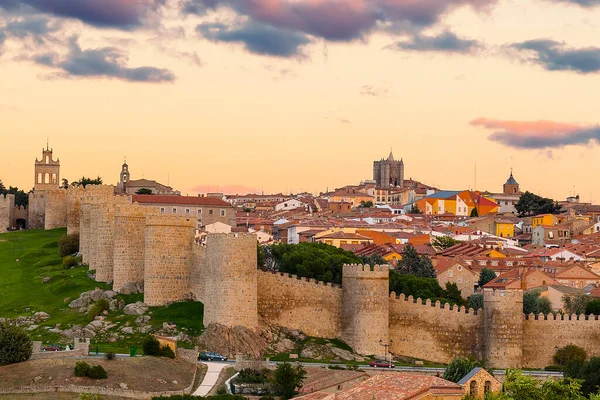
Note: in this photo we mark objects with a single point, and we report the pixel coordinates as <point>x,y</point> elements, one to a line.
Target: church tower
<point>389,172</point>
<point>124,178</point>
<point>511,186</point>
<point>47,171</point>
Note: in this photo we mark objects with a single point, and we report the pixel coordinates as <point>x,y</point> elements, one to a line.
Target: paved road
<point>211,377</point>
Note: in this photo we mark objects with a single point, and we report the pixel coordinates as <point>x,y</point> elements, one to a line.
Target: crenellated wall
<point>56,209</point>
<point>74,196</point>
<point>433,331</point>
<point>503,328</point>
<point>105,238</point>
<point>36,209</point>
<point>303,304</point>
<point>167,259</point>
<point>7,206</point>
<point>198,272</point>
<point>231,275</point>
<point>129,244</point>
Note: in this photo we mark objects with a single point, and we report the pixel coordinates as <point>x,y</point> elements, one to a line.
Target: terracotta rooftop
<point>179,200</point>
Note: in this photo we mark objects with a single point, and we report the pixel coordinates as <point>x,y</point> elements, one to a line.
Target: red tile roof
<point>179,200</point>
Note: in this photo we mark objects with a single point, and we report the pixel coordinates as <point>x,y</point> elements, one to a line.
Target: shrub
<point>90,396</point>
<point>97,308</point>
<point>81,368</point>
<point>110,355</point>
<point>568,354</point>
<point>15,344</point>
<point>593,307</point>
<point>458,368</point>
<point>151,346</point>
<point>249,375</point>
<point>166,351</point>
<point>69,262</point>
<point>97,372</point>
<point>287,378</point>
<point>68,244</point>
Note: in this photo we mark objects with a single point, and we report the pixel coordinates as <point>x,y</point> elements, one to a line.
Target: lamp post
<point>386,345</point>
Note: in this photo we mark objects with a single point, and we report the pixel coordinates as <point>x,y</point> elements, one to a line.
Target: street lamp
<point>386,345</point>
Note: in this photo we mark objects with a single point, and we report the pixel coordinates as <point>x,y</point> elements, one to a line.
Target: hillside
<point>28,258</point>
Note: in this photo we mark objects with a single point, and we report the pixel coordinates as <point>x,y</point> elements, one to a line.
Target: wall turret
<point>503,328</point>
<point>365,302</point>
<point>7,205</point>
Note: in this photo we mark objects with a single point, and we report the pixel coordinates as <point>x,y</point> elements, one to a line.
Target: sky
<point>303,95</point>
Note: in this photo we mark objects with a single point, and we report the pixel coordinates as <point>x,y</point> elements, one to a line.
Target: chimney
<point>524,279</point>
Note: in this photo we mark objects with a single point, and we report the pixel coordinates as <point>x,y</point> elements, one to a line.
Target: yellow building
<point>505,228</point>
<point>544,219</point>
<point>339,236</point>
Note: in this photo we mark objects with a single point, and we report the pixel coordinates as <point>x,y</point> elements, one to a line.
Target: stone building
<point>7,207</point>
<point>47,171</point>
<point>127,185</point>
<point>388,173</point>
<point>202,210</point>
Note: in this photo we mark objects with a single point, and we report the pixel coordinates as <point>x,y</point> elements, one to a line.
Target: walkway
<point>211,377</point>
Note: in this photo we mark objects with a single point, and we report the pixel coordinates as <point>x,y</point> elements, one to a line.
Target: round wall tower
<point>365,302</point>
<point>503,328</point>
<point>231,280</point>
<point>167,256</point>
<point>84,230</point>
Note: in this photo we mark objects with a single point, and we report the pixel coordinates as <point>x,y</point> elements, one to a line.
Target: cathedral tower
<point>388,173</point>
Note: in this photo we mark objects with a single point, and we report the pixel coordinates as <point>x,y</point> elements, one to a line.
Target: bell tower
<point>47,171</point>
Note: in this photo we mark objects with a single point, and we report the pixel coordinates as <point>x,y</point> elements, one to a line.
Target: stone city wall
<point>74,196</point>
<point>303,304</point>
<point>231,278</point>
<point>198,272</point>
<point>36,210</point>
<point>56,209</point>
<point>129,242</point>
<point>105,237</point>
<point>432,331</point>
<point>19,213</point>
<point>542,334</point>
<point>167,259</point>
<point>503,328</point>
<point>7,205</point>
<point>365,302</point>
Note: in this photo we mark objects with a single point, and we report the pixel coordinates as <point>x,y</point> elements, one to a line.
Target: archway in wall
<point>21,223</point>
<point>473,388</point>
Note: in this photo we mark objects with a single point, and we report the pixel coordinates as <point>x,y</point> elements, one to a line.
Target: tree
<point>474,212</point>
<point>486,275</point>
<point>2,187</point>
<point>68,244</point>
<point>587,371</point>
<point>260,256</point>
<point>89,181</point>
<point>452,294</point>
<point>21,198</point>
<point>64,184</point>
<point>459,368</point>
<point>151,346</point>
<point>575,305</point>
<point>569,354</point>
<point>415,209</point>
<point>534,303</point>
<point>15,344</point>
<point>593,307</point>
<point>530,204</point>
<point>287,378</point>
<point>475,302</point>
<point>444,242</point>
<point>366,204</point>
<point>413,264</point>
<point>410,285</point>
<point>373,259</point>
<point>144,191</point>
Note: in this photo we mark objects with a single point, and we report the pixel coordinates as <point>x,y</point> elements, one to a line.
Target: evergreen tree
<point>287,378</point>
<point>415,209</point>
<point>530,204</point>
<point>474,212</point>
<point>444,242</point>
<point>416,265</point>
<point>89,181</point>
<point>452,294</point>
<point>486,275</point>
<point>15,344</point>
<point>475,302</point>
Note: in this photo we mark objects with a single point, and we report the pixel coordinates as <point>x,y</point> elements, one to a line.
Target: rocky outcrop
<point>132,287</point>
<point>137,308</point>
<point>85,299</point>
<point>236,340</point>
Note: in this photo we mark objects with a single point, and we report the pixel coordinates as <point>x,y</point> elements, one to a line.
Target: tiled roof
<point>179,200</point>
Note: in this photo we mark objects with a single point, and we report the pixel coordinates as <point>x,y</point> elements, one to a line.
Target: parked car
<point>210,356</point>
<point>51,348</point>
<point>381,364</point>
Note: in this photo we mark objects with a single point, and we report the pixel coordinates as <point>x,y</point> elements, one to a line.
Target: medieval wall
<point>167,259</point>
<point>19,217</point>
<point>503,328</point>
<point>198,272</point>
<point>104,245</point>
<point>129,242</point>
<point>365,307</point>
<point>542,334</point>
<point>36,210</point>
<point>433,331</point>
<point>74,197</point>
<point>231,278</point>
<point>303,304</point>
<point>7,206</point>
<point>56,209</point>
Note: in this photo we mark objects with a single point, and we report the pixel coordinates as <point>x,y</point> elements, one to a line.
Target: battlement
<point>7,199</point>
<point>169,220</point>
<point>365,271</point>
<point>428,303</point>
<point>560,317</point>
<point>496,295</point>
<point>230,237</point>
<point>301,279</point>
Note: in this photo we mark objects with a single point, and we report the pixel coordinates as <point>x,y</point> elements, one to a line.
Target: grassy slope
<point>21,287</point>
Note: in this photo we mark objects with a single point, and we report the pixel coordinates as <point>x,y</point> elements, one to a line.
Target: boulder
<point>142,320</point>
<point>40,316</point>
<point>33,327</point>
<point>128,330</point>
<point>46,279</point>
<point>132,287</point>
<point>232,341</point>
<point>137,308</point>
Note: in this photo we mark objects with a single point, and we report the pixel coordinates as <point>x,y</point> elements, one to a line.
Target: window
<point>450,273</point>
<point>459,268</point>
<point>162,210</point>
<point>459,281</point>
<point>47,178</point>
<point>550,235</point>
<point>187,210</point>
<point>54,178</point>
<point>200,211</point>
<point>174,210</point>
<point>47,160</point>
<point>210,212</point>
<point>40,177</point>
<point>222,213</point>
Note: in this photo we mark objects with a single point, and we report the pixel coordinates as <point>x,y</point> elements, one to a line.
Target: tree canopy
<point>21,198</point>
<point>89,181</point>
<point>424,288</point>
<point>144,191</point>
<point>444,242</point>
<point>415,209</point>
<point>413,264</point>
<point>531,204</point>
<point>534,303</point>
<point>366,204</point>
<point>486,275</point>
<point>15,344</point>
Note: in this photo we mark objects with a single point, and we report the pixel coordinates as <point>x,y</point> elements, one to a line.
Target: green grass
<point>187,315</point>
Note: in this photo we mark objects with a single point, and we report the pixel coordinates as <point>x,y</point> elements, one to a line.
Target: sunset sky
<point>290,95</point>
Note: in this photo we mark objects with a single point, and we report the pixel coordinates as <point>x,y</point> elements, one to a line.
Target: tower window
<point>39,179</point>
<point>47,160</point>
<point>47,178</point>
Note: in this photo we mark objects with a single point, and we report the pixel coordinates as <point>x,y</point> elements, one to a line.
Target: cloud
<point>555,56</point>
<point>105,62</point>
<point>121,14</point>
<point>337,20</point>
<point>583,3</point>
<point>37,27</point>
<point>544,135</point>
<point>446,42</point>
<point>257,38</point>
<point>370,90</point>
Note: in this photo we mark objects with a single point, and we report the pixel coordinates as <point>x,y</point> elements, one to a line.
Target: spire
<point>47,144</point>
<point>391,156</point>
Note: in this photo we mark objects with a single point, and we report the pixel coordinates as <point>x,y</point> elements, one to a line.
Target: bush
<point>97,308</point>
<point>110,355</point>
<point>151,346</point>
<point>287,378</point>
<point>15,344</point>
<point>97,372</point>
<point>588,371</point>
<point>249,375</point>
<point>69,262</point>
<point>166,351</point>
<point>459,368</point>
<point>81,368</point>
<point>68,245</point>
<point>593,307</point>
<point>569,354</point>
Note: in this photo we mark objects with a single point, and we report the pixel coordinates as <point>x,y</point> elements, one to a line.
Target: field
<point>27,257</point>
